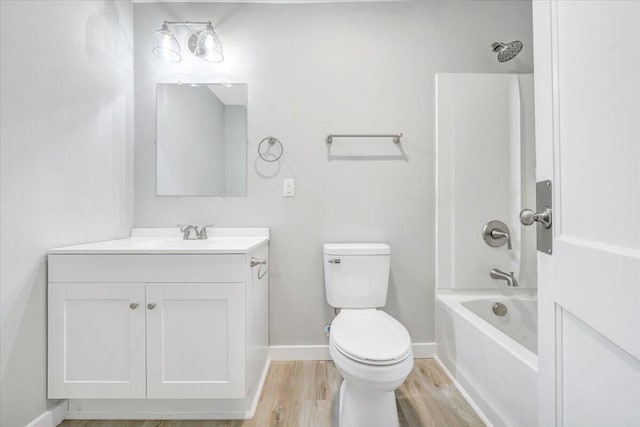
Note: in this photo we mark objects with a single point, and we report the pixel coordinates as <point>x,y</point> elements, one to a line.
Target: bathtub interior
<point>519,323</point>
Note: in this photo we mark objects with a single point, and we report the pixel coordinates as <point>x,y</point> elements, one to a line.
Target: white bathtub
<point>493,358</point>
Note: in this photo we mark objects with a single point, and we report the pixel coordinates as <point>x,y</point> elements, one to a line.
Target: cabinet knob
<point>151,305</point>
<point>134,305</point>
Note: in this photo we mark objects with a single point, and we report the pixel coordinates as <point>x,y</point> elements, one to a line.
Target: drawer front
<point>147,268</point>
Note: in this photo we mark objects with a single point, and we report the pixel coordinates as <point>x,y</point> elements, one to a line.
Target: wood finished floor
<point>304,394</point>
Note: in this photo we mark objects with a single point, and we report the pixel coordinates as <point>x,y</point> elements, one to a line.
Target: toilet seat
<point>370,336</point>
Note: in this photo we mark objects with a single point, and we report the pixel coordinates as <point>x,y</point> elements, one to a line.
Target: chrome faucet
<point>197,234</point>
<point>510,278</point>
<point>186,232</point>
<point>202,234</point>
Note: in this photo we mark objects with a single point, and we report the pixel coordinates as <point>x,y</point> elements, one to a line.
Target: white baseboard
<point>52,416</point>
<point>464,393</point>
<point>424,350</point>
<point>298,352</point>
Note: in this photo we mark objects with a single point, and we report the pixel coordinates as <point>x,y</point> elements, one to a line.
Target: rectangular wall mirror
<point>201,139</point>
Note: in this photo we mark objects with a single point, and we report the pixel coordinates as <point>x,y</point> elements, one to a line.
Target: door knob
<point>528,217</point>
<point>151,305</point>
<point>134,305</point>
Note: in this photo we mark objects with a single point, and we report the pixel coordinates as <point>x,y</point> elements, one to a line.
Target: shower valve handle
<point>528,217</point>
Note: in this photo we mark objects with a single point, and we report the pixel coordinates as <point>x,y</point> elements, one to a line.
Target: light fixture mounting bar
<point>187,22</point>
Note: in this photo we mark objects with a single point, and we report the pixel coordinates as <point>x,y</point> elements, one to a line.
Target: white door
<point>195,340</point>
<point>96,340</point>
<point>587,65</point>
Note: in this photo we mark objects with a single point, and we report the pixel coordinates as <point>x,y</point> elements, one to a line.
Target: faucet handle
<point>186,231</point>
<point>496,233</point>
<point>202,234</point>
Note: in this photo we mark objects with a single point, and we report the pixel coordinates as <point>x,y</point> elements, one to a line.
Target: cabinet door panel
<point>195,340</point>
<point>96,340</point>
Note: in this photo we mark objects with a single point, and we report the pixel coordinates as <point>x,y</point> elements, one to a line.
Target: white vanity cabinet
<point>156,325</point>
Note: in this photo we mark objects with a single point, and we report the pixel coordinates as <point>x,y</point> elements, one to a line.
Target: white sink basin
<point>236,240</point>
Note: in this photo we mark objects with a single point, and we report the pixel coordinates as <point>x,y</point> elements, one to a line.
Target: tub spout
<point>510,278</point>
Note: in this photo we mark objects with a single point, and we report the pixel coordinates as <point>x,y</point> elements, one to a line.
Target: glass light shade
<point>165,46</point>
<point>208,46</point>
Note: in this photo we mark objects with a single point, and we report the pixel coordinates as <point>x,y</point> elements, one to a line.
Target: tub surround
<point>485,174</point>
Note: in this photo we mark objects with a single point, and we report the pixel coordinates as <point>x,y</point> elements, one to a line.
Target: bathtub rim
<point>453,301</point>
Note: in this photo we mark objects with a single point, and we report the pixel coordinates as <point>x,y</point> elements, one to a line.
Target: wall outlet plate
<point>289,188</point>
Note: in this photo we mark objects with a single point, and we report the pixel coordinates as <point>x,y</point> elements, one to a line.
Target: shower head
<point>507,52</point>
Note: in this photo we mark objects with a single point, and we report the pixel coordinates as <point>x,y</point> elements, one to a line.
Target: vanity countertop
<point>169,241</point>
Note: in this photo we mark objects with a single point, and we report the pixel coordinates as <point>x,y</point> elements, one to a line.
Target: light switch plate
<point>289,188</point>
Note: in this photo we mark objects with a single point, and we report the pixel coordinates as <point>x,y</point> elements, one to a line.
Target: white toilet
<point>371,350</point>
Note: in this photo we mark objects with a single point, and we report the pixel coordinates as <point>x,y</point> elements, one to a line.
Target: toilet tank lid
<point>356,249</point>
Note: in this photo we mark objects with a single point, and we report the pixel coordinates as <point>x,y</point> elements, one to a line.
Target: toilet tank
<point>356,275</point>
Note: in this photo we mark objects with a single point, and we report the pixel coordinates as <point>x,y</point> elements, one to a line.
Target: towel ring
<point>272,141</point>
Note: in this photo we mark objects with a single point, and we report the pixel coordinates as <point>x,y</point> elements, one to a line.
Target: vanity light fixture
<point>203,43</point>
<point>165,46</point>
<point>208,46</point>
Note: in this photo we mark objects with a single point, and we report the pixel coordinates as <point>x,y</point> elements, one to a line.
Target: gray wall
<point>66,164</point>
<point>314,69</point>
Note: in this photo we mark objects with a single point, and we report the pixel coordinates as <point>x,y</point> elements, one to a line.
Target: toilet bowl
<point>371,350</point>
